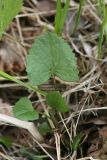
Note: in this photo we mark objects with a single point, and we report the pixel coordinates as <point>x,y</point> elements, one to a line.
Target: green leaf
<point>8,10</point>
<point>76,141</point>
<point>23,110</point>
<point>51,56</point>
<point>6,141</point>
<point>55,100</point>
<point>44,128</point>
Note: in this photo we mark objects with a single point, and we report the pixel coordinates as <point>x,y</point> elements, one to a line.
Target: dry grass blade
<point>5,157</point>
<point>22,124</point>
<point>45,151</point>
<point>80,86</point>
<point>58,149</point>
<point>87,158</point>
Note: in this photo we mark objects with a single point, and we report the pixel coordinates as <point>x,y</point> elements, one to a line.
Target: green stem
<point>54,82</point>
<point>26,85</point>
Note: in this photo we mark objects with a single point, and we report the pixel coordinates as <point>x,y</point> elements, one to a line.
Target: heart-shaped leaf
<point>23,110</point>
<point>8,10</point>
<point>55,100</point>
<point>51,56</point>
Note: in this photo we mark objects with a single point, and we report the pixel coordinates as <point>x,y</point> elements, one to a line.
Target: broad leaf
<point>23,110</point>
<point>8,10</point>
<point>55,100</point>
<point>50,56</point>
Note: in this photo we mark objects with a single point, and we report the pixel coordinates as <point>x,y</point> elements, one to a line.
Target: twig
<point>57,137</point>
<point>87,158</point>
<point>74,114</point>
<point>80,87</point>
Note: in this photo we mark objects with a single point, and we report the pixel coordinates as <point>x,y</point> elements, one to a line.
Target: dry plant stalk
<point>22,124</point>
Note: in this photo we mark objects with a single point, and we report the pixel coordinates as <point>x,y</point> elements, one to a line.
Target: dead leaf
<point>5,108</point>
<point>11,58</point>
<point>45,5</point>
<point>101,140</point>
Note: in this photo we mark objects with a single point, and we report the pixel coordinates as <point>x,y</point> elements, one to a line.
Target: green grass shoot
<point>78,15</point>
<point>61,16</point>
<point>103,32</point>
